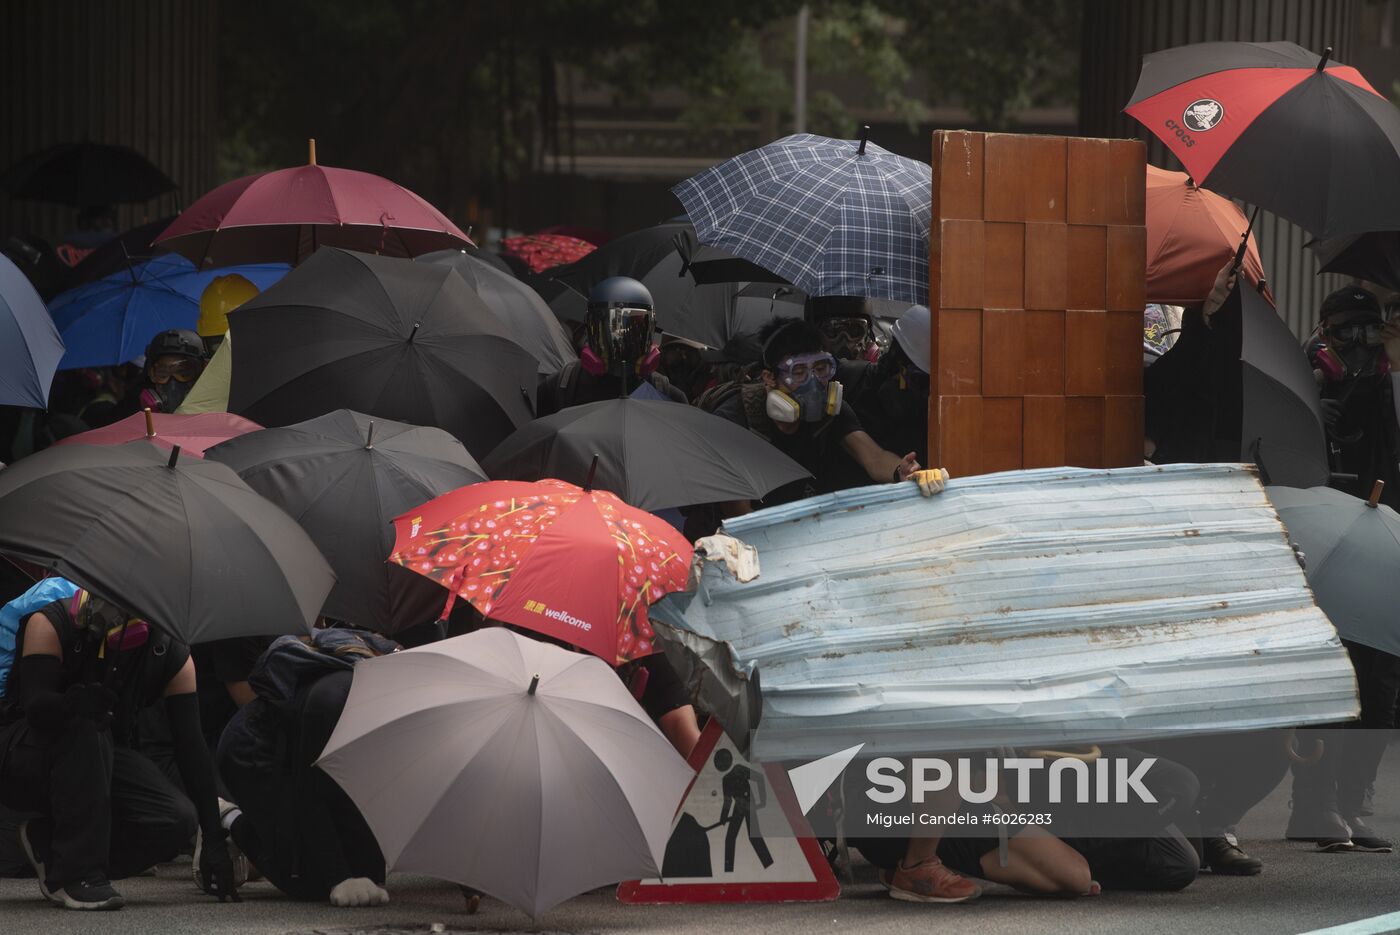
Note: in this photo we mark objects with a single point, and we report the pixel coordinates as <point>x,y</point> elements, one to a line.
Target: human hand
<point>931,481</point>
<point>216,867</point>
<point>906,467</point>
<point>1332,412</point>
<point>1220,291</point>
<point>91,700</point>
<point>1390,339</point>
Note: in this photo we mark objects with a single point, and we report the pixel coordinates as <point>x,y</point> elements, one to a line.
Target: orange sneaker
<point>930,882</point>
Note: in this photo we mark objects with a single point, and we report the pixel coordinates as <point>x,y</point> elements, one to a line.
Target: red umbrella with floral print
<point>574,564</point>
<point>545,251</point>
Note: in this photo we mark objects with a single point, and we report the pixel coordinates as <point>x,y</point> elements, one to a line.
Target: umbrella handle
<point>1244,241</point>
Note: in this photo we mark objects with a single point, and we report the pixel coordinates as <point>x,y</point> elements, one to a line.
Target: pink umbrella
<point>192,433</point>
<point>285,215</point>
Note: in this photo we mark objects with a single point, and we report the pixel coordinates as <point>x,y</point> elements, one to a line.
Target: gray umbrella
<point>653,454</point>
<point>181,542</point>
<point>1352,552</point>
<point>344,477</point>
<point>533,325</point>
<point>509,765</point>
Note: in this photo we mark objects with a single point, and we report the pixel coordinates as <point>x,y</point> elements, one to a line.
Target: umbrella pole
<point>150,424</point>
<point>369,437</point>
<point>1244,241</point>
<point>174,456</point>
<point>864,138</point>
<point>592,469</point>
<point>534,684</point>
<point>1376,489</point>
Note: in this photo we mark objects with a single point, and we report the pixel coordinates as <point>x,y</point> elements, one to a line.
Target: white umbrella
<point>512,766</point>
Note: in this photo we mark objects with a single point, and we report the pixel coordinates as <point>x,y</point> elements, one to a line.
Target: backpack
<point>256,737</point>
<point>46,591</point>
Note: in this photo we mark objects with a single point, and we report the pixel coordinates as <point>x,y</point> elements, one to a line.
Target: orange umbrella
<point>1191,233</point>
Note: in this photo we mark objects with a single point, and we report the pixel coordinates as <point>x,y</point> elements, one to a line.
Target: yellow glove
<point>931,481</point>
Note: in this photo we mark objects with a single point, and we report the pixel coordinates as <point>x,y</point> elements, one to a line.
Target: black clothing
<point>109,811</point>
<point>217,663</point>
<point>575,386</point>
<point>815,445</point>
<point>298,826</point>
<point>1235,771</point>
<point>663,692</point>
<point>1364,439</point>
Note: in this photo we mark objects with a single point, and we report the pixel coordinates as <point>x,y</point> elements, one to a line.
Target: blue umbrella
<point>110,321</point>
<point>29,344</point>
<point>833,217</point>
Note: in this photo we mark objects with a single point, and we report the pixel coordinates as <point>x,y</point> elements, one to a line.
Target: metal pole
<point>799,77</point>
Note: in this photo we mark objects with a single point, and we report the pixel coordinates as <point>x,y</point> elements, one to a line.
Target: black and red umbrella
<point>1278,126</point>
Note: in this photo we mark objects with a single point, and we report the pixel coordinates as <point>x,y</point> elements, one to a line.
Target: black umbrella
<point>711,264</point>
<point>384,336</point>
<point>654,256</point>
<point>181,542</point>
<point>1374,256</point>
<point>86,175</point>
<point>532,323</point>
<point>1241,390</point>
<point>121,252</point>
<point>344,477</point>
<point>653,454</point>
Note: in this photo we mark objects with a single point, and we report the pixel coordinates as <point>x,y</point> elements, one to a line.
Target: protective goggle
<point>798,369</point>
<point>1356,332</point>
<point>179,369</point>
<point>856,329</point>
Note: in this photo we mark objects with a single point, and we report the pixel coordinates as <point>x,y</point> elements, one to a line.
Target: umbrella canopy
<point>210,391</point>
<point>652,454</point>
<point>86,175</point>
<point>112,320</point>
<point>544,251</point>
<point>1278,126</point>
<point>284,216</point>
<point>1245,392</point>
<point>1374,255</point>
<point>533,326</point>
<point>1191,233</point>
<point>656,257</point>
<point>1352,550</point>
<point>118,254</point>
<point>535,775</point>
<point>181,542</point>
<point>387,337</point>
<point>192,433</point>
<point>710,264</point>
<point>344,476</point>
<point>577,565</point>
<point>833,217</point>
<point>30,347</point>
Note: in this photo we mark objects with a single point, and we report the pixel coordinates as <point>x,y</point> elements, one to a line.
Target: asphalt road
<point>1299,891</point>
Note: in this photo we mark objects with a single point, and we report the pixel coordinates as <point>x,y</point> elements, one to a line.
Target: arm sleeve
<point>41,678</point>
<point>845,422</point>
<point>193,761</point>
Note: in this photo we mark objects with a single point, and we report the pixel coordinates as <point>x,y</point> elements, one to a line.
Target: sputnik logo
<point>811,780</point>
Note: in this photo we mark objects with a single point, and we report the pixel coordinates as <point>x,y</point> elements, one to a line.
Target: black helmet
<point>621,323</point>
<point>181,341</point>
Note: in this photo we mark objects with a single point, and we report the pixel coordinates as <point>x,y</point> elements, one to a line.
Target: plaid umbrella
<point>833,217</point>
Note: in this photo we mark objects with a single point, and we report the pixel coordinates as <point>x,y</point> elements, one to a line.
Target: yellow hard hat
<point>220,297</point>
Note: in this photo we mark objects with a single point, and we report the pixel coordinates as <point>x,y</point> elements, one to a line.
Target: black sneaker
<point>1227,858</point>
<point>1364,838</point>
<point>34,837</point>
<point>1317,827</point>
<point>91,895</point>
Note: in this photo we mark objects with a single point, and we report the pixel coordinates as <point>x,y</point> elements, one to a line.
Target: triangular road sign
<point>714,856</point>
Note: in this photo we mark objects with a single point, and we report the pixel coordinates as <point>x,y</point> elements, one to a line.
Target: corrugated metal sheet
<point>1117,34</point>
<point>1030,606</point>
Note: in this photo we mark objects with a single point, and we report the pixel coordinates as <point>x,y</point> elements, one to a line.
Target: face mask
<point>813,401</point>
<point>847,338</point>
<point>165,397</point>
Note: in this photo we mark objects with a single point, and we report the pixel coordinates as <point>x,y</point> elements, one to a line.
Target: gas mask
<point>170,377</point>
<point>847,337</point>
<point>1353,350</point>
<point>107,625</point>
<point>805,390</point>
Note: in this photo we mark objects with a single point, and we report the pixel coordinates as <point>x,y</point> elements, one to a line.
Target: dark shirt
<point>574,386</point>
<point>815,445</point>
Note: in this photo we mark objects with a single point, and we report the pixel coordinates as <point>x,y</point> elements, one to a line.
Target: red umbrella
<point>577,565</point>
<point>192,433</point>
<point>543,251</point>
<point>285,215</point>
<point>1191,233</point>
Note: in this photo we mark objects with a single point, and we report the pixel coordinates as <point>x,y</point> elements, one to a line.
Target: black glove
<point>91,700</point>
<point>216,867</point>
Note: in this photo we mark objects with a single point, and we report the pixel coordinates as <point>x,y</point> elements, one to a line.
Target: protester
<point>174,360</point>
<point>683,364</point>
<point>799,408</point>
<point>85,668</point>
<point>619,355</point>
<point>893,407</point>
<point>291,820</point>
